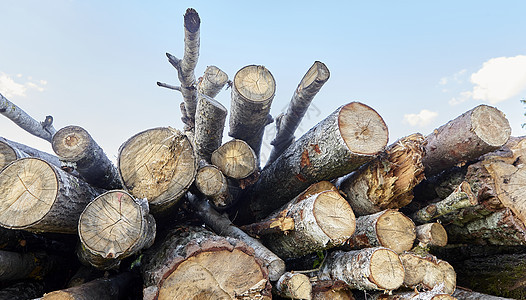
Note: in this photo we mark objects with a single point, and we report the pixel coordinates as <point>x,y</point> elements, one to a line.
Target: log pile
<point>334,214</point>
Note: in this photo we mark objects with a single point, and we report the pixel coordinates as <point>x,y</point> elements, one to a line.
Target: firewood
<point>286,124</point>
<point>426,272</point>
<point>252,94</point>
<point>466,294</point>
<point>376,268</point>
<point>388,180</point>
<point>214,185</point>
<point>209,123</point>
<point>73,144</point>
<point>83,275</point>
<point>236,159</point>
<point>23,290</point>
<point>333,294</point>
<point>36,265</point>
<point>11,151</point>
<point>213,80</point>
<point>434,294</point>
<point>431,234</point>
<point>478,131</point>
<point>321,221</point>
<point>157,164</point>
<point>293,286</point>
<point>336,146</point>
<point>191,263</point>
<point>112,227</point>
<point>388,228</point>
<point>39,197</point>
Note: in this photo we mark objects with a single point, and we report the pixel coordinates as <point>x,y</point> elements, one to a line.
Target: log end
<point>334,216</point>
<point>255,83</point>
<point>395,231</point>
<point>71,143</point>
<point>7,154</point>
<point>235,159</point>
<point>490,125</point>
<point>387,271</point>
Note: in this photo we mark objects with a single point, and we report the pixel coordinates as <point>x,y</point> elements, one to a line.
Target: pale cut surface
<point>334,215</point>
<point>7,155</point>
<point>395,231</point>
<point>28,189</point>
<point>438,234</point>
<point>490,125</point>
<point>387,272</point>
<point>362,129</point>
<point>212,275</point>
<point>71,142</point>
<point>111,224</point>
<point>300,287</point>
<point>255,83</point>
<point>209,180</point>
<point>235,159</point>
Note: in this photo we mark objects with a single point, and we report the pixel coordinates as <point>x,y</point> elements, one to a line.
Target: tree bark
<point>43,130</point>
<point>74,144</point>
<point>112,227</point>
<point>431,234</point>
<point>23,290</point>
<point>209,124</point>
<point>157,164</point>
<point>190,264</point>
<point>223,226</point>
<point>465,294</point>
<point>388,228</point>
<point>39,197</point>
<point>434,294</point>
<point>11,151</point>
<point>213,80</point>
<point>427,272</point>
<point>286,124</point>
<point>388,180</point>
<point>252,94</point>
<point>367,269</point>
<point>339,144</point>
<point>478,131</point>
<point>235,159</point>
<point>214,185</point>
<point>14,266</point>
<point>321,221</point>
<point>294,286</point>
<point>333,294</point>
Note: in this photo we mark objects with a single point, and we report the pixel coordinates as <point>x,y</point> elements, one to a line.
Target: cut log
<point>116,287</point>
<point>434,294</point>
<point>11,151</point>
<point>235,159</point>
<point>286,124</point>
<point>478,131</point>
<point>339,144</point>
<point>73,144</point>
<point>213,80</point>
<point>112,227</point>
<point>321,221</point>
<point>214,185</point>
<point>191,264</point>
<point>39,197</point>
<point>222,225</point>
<point>294,286</point>
<point>23,290</point>
<point>427,272</point>
<point>466,294</point>
<point>333,294</point>
<point>34,265</point>
<point>388,180</point>
<point>252,94</point>
<point>388,228</point>
<point>157,164</point>
<point>367,269</point>
<point>431,234</point>
<point>209,124</point>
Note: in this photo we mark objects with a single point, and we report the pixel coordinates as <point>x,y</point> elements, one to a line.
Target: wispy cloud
<point>11,88</point>
<point>423,118</point>
<point>458,77</point>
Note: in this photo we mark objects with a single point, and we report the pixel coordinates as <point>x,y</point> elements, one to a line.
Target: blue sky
<point>418,63</point>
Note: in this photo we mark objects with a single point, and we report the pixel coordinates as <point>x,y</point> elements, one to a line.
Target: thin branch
<point>169,86</point>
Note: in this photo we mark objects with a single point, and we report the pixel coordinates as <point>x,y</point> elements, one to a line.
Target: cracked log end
<point>395,231</point>
<point>255,83</point>
<point>71,142</point>
<point>235,159</point>
<point>490,125</point>
<point>387,272</point>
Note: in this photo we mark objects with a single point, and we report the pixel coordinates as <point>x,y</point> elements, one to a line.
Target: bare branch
<point>169,86</point>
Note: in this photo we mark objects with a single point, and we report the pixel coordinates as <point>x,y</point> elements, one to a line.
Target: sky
<point>419,64</point>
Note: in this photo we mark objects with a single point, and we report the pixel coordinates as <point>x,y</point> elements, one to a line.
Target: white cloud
<point>463,97</point>
<point>458,77</point>
<point>10,88</point>
<point>423,118</point>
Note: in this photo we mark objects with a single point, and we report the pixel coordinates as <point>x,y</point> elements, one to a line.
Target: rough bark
<point>434,294</point>
<point>252,94</point>
<point>39,197</point>
<point>223,226</point>
<point>43,130</point>
<point>34,265</point>
<point>286,124</point>
<point>388,180</point>
<point>294,286</point>
<point>73,144</point>
<point>209,124</point>
<point>157,164</point>
<point>336,146</point>
<point>214,185</point>
<point>112,227</point>
<point>466,294</point>
<point>116,287</point>
<point>23,290</point>
<point>431,234</point>
<point>321,221</point>
<point>190,264</point>
<point>478,131</point>
<point>236,159</point>
<point>213,80</point>
<point>388,228</point>
<point>367,269</point>
<point>11,151</point>
<point>426,272</point>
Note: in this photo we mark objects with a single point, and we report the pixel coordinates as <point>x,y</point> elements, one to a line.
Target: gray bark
<point>212,81</point>
<point>209,124</point>
<point>11,151</point>
<point>15,265</point>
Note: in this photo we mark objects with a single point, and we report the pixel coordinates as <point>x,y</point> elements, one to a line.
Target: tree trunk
<point>73,144</point>
<point>23,290</point>
<point>431,234</point>
<point>286,124</point>
<point>235,159</point>
<point>388,180</point>
<point>11,151</point>
<point>427,272</point>
<point>34,265</point>
<point>294,286</point>
<point>214,185</point>
<point>39,197</point>
<point>157,164</point>
<point>339,144</point>
<point>321,221</point>
<point>223,226</point>
<point>113,288</point>
<point>367,269</point>
<point>112,227</point>
<point>476,132</point>
<point>388,228</point>
<point>190,264</point>
<point>213,80</point>
<point>209,124</point>
<point>252,93</point>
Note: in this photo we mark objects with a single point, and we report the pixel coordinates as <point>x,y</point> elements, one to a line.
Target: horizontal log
<point>466,294</point>
<point>211,182</point>
<point>235,159</point>
<point>11,151</point>
<point>431,234</point>
<point>427,272</point>
<point>36,265</point>
<point>24,290</point>
<point>293,286</point>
